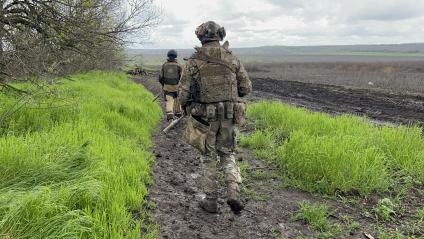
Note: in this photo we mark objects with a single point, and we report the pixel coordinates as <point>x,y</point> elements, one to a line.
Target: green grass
<point>420,215</point>
<point>343,154</point>
<point>316,215</point>
<point>385,209</point>
<point>80,169</point>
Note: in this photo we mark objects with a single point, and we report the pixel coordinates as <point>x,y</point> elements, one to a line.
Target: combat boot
<point>233,197</point>
<point>209,205</point>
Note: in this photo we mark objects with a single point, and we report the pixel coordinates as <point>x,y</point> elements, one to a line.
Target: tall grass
<point>343,154</point>
<point>78,171</point>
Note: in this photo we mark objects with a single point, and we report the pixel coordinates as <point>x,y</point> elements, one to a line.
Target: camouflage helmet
<point>210,31</point>
<point>172,54</point>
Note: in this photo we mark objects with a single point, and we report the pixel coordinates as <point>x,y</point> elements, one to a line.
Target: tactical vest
<point>216,81</point>
<point>171,75</point>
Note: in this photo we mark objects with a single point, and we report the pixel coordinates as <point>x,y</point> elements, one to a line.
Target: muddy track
<point>270,207</point>
<point>177,190</point>
<point>381,106</point>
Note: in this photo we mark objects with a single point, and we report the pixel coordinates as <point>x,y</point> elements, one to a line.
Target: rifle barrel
<point>172,124</point>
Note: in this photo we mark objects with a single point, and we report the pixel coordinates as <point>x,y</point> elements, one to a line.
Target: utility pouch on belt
<point>239,112</point>
<point>211,111</point>
<point>229,106</point>
<point>197,109</point>
<point>196,132</point>
<point>221,111</point>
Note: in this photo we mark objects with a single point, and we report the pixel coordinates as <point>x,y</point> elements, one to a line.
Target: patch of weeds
<point>384,234</point>
<point>413,228</point>
<point>244,166</point>
<point>350,224</point>
<point>315,215</point>
<point>385,209</point>
<point>348,200</point>
<point>406,183</point>
<point>252,194</point>
<point>248,192</point>
<point>260,175</point>
<point>275,233</point>
<point>420,215</point>
<point>336,229</point>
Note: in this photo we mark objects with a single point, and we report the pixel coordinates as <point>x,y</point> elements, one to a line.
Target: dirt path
<point>270,207</point>
<point>177,189</point>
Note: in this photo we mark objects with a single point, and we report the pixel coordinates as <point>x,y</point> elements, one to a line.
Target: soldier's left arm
<point>180,69</point>
<point>244,84</point>
<point>161,76</point>
<point>184,85</point>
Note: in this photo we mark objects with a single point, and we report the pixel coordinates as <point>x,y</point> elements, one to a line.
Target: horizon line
<point>324,45</point>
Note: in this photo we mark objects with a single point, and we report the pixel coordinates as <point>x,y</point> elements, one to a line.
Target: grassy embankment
<point>78,171</point>
<point>345,154</point>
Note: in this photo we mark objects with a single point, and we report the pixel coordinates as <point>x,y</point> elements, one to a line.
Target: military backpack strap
<point>209,59</point>
<point>194,87</point>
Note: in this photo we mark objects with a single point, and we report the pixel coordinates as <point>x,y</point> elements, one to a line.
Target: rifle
<point>156,97</point>
<point>173,124</point>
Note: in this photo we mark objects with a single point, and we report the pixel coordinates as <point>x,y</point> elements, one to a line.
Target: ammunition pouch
<point>239,113</point>
<point>213,111</point>
<point>196,133</point>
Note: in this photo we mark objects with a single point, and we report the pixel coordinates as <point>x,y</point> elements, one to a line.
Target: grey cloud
<point>318,22</point>
<point>170,18</point>
<point>287,4</point>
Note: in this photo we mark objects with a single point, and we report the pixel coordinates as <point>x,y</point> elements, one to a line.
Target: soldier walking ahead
<point>212,82</point>
<point>169,77</point>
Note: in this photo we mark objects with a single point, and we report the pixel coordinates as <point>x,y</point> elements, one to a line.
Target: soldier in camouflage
<point>212,84</point>
<point>169,78</point>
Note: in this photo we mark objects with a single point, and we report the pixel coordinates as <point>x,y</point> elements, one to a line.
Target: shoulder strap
<point>209,59</point>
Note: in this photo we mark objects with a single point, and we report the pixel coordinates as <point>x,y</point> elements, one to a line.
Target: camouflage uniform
<point>213,103</point>
<point>169,77</point>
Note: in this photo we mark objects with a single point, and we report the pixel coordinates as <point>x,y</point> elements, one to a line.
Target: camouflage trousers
<point>172,105</point>
<point>220,145</point>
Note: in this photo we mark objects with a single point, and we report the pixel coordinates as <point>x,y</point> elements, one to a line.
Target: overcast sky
<point>292,22</point>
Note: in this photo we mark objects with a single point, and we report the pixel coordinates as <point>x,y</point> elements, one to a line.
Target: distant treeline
<point>413,48</point>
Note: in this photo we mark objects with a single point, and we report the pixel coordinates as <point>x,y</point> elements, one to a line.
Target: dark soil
<point>396,76</point>
<point>270,206</point>
<point>377,105</point>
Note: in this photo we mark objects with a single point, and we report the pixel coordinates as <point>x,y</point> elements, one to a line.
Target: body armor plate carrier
<point>170,73</point>
<point>217,80</point>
